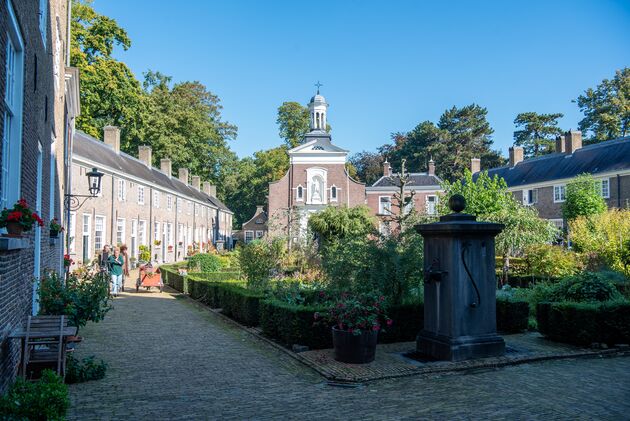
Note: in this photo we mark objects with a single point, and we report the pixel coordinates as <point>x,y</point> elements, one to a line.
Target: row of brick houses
<point>142,206</point>
<point>40,101</point>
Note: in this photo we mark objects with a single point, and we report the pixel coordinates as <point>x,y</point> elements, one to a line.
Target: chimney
<point>183,175</point>
<point>166,166</point>
<point>259,209</point>
<point>516,155</point>
<point>209,189</point>
<point>111,136</point>
<point>144,154</point>
<point>573,141</point>
<point>560,144</point>
<point>431,167</point>
<point>387,170</point>
<point>196,182</point>
<point>475,165</point>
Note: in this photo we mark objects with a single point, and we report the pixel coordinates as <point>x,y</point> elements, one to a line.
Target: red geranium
<point>21,214</point>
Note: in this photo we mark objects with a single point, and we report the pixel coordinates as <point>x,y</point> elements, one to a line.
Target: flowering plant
<point>357,314</point>
<point>20,214</point>
<point>67,260</point>
<point>55,225</point>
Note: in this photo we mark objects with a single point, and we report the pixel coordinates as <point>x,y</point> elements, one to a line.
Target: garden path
<point>171,359</point>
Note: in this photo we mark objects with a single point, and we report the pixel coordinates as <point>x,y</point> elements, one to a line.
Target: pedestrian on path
<point>116,264</point>
<point>104,260</point>
<point>123,252</point>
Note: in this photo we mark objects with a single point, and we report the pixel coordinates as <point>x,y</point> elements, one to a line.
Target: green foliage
<point>82,298</point>
<point>293,324</point>
<point>293,123</point>
<point>512,314</point>
<point>585,287</point>
<point>215,276</point>
<point>145,253</point>
<point>604,237</point>
<point>45,399</point>
<point>537,132</point>
<point>258,259</point>
<point>585,323</point>
<point>337,223</point>
<point>607,108</point>
<point>407,321</point>
<point>85,370</point>
<point>546,260</point>
<point>357,313</point>
<point>582,198</point>
<point>204,262</point>
<point>460,135</point>
<point>369,166</point>
<point>241,304</point>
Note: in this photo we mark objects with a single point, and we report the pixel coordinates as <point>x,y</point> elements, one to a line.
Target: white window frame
<point>13,98</point>
<point>299,193</point>
<point>122,190</point>
<point>382,208</point>
<point>189,206</point>
<point>559,223</point>
<point>180,204</point>
<point>133,239</point>
<point>196,209</point>
<point>435,204</point>
<point>120,233</point>
<point>605,195</point>
<point>72,224</point>
<point>142,232</point>
<point>103,231</point>
<point>259,234</point>
<point>530,197</point>
<point>561,195</point>
<point>156,199</point>
<point>334,197</point>
<point>87,232</point>
<point>248,236</point>
<point>156,231</point>
<point>140,195</point>
<point>169,202</point>
<point>169,233</point>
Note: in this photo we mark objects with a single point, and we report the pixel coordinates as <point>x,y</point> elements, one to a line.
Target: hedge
<point>217,276</point>
<point>241,304</point>
<point>585,323</point>
<point>408,322</point>
<point>512,316</point>
<point>293,324</point>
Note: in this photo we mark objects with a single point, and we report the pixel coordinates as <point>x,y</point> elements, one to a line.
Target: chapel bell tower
<point>317,108</point>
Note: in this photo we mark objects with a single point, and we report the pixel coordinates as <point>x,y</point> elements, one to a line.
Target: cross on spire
<point>318,85</point>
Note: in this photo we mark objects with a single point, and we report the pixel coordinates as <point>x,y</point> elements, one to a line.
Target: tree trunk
<point>506,269</point>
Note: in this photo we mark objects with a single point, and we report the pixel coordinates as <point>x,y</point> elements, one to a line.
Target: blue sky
<point>385,65</point>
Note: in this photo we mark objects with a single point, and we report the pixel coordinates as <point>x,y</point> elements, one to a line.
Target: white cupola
<point>317,108</point>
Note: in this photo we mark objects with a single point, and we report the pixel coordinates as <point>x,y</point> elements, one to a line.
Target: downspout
<point>618,192</point>
<point>290,205</point>
<point>111,222</point>
<point>152,223</point>
<point>69,27</point>
<point>176,229</point>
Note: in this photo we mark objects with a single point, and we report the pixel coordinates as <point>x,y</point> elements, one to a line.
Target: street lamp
<point>73,201</point>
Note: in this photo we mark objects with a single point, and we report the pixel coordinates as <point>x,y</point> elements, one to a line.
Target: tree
<point>337,223</point>
<point>110,93</point>
<point>583,198</point>
<point>293,123</point>
<point>369,166</point>
<point>607,108</point>
<point>402,199</point>
<point>489,199</point>
<point>537,132</point>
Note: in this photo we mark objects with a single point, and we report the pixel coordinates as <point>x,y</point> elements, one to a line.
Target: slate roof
<point>415,180</point>
<point>608,156</point>
<point>96,151</point>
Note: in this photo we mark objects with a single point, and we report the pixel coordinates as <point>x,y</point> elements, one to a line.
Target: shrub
<point>293,324</point>
<point>583,198</point>
<point>83,371</point>
<point>545,260</point>
<point>512,315</point>
<point>145,253</point>
<point>203,262</point>
<point>215,276</point>
<point>585,287</point>
<point>357,313</point>
<point>82,298</point>
<point>209,292</point>
<point>408,321</point>
<point>241,304</point>
<point>258,259</point>
<point>585,323</point>
<point>46,399</point>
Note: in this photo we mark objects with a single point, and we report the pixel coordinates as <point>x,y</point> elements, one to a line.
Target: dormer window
<point>300,193</point>
<point>333,193</point>
<point>318,148</point>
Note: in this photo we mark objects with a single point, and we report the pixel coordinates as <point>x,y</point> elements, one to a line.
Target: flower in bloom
<point>376,328</point>
<point>390,322</point>
<point>15,216</point>
<point>22,203</point>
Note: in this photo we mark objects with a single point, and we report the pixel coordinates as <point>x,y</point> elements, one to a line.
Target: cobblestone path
<point>170,359</point>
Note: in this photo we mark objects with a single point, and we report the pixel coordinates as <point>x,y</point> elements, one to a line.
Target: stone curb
<point>466,366</point>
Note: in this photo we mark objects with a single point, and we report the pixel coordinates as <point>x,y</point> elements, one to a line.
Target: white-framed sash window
<point>120,231</point>
<point>559,193</point>
<point>384,205</point>
<point>99,232</point>
<point>141,195</point>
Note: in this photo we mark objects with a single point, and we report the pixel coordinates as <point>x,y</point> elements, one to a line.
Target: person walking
<point>116,264</point>
<point>123,252</point>
<point>104,260</point>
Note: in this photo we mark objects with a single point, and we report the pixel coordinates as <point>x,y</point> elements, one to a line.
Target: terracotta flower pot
<point>14,229</point>
<point>354,349</point>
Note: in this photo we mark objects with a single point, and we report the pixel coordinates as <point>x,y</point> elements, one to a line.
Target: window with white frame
<point>384,205</point>
<point>299,193</point>
<point>122,190</point>
<point>141,195</point>
<point>13,98</point>
<point>142,232</point>
<point>134,238</point>
<point>120,231</point>
<point>190,205</point>
<point>71,232</point>
<point>333,193</point>
<point>259,234</point>
<point>99,232</point>
<point>156,199</point>
<point>156,231</point>
<point>604,188</point>
<point>180,233</point>
<point>180,204</point>
<point>196,209</point>
<point>43,20</point>
<point>559,193</point>
<point>408,205</point>
<point>169,202</point>
<point>530,196</point>
<point>249,236</point>
<point>169,234</point>
<point>87,234</point>
<point>431,205</point>
<point>559,223</point>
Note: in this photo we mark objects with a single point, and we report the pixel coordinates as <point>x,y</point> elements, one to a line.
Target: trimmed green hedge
<point>585,323</point>
<point>293,324</point>
<point>512,316</point>
<point>241,304</point>
<point>408,320</point>
<point>217,276</point>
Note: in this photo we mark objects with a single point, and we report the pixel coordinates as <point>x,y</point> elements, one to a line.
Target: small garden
<point>344,273</point>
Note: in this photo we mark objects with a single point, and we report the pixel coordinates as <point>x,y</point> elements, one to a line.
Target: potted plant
<point>55,228</point>
<point>356,322</point>
<point>157,242</point>
<point>20,218</point>
<point>67,261</point>
<point>170,249</point>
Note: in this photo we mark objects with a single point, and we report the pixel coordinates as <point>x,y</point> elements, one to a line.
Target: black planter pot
<point>54,234</point>
<point>354,349</point>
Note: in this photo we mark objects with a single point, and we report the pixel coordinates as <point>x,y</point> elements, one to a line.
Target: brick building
<point>39,103</point>
<point>255,228</point>
<point>142,206</point>
<point>541,181</point>
<point>425,187</point>
<point>317,178</point>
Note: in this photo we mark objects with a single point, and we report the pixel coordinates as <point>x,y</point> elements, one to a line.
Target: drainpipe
<point>176,229</point>
<point>618,192</point>
<point>111,222</point>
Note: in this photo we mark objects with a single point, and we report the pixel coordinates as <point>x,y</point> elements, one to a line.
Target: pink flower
<point>390,322</point>
<point>376,328</point>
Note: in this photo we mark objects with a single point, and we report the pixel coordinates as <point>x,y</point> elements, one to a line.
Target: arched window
<point>333,194</point>
<point>317,120</point>
<point>300,193</point>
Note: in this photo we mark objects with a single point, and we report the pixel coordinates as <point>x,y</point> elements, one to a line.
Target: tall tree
<point>537,132</point>
<point>293,123</point>
<point>110,93</point>
<point>607,108</point>
<point>583,198</point>
<point>369,166</point>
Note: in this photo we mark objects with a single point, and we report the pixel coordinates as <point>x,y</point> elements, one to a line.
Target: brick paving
<point>171,359</point>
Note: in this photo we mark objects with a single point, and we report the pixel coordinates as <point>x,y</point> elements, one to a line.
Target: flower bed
<point>585,323</point>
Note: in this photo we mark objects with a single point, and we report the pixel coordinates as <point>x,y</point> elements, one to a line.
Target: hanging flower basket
<point>20,218</point>
<point>14,229</point>
<point>55,228</point>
